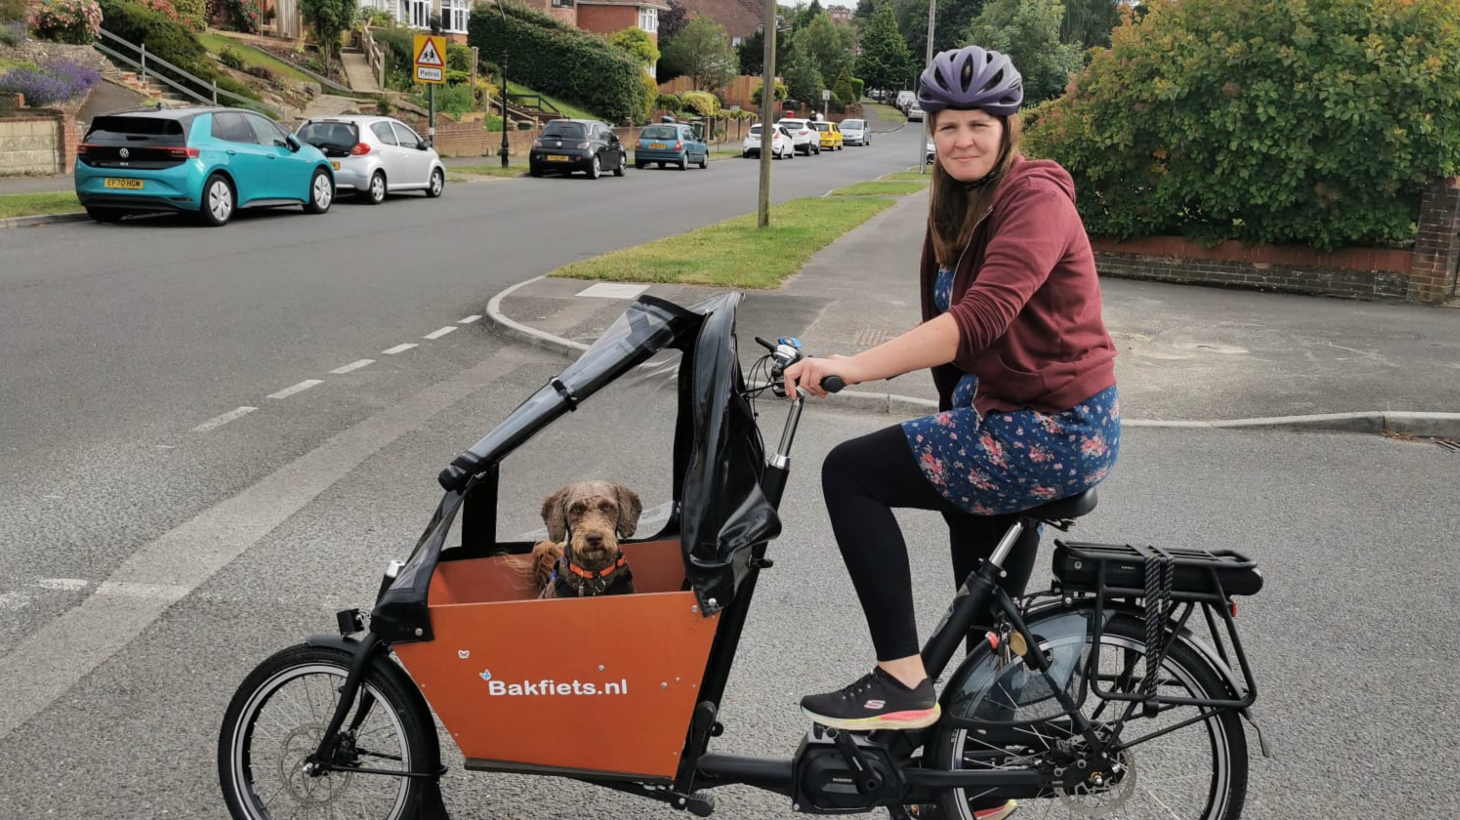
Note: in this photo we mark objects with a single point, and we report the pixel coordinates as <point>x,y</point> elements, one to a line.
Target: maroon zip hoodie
<point>1026,300</point>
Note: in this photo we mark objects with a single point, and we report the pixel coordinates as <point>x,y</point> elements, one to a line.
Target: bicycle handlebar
<point>786,353</point>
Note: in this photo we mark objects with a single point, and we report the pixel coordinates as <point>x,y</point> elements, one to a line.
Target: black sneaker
<point>875,701</point>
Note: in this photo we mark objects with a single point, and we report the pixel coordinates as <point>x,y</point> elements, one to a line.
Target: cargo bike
<point>1121,691</point>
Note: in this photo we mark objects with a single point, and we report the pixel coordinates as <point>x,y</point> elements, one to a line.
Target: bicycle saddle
<point>1066,508</point>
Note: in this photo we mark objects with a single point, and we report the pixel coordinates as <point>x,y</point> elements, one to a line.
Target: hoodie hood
<point>1039,172</point>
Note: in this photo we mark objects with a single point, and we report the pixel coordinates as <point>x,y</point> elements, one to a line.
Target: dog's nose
<point>594,539</point>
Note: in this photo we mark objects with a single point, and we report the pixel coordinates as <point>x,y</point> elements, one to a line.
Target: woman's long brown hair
<point>955,212</point>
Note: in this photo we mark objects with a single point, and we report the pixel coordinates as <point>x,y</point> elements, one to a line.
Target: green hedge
<point>561,61</point>
<point>169,40</point>
<point>192,10</point>
<point>1265,121</point>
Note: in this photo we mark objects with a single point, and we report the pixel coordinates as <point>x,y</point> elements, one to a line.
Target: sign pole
<point>430,67</point>
<point>431,114</point>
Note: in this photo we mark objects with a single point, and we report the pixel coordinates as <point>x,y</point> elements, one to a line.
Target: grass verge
<point>908,175</point>
<point>53,202</point>
<point>215,43</point>
<point>735,253</point>
<point>571,112</point>
<point>887,113</point>
<point>895,188</point>
<point>491,169</point>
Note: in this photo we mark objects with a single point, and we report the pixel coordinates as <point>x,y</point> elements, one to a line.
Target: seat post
<point>1006,544</point>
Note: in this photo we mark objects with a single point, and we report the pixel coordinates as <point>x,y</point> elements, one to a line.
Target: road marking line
<point>436,334</point>
<point>399,349</point>
<point>51,660</point>
<point>475,317</point>
<point>67,584</point>
<point>11,601</point>
<point>215,423</point>
<point>340,371</point>
<point>298,388</point>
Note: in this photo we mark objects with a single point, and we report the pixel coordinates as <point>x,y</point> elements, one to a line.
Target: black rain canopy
<point>719,509</point>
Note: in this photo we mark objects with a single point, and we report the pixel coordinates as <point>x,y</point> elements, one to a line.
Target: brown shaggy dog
<point>585,522</point>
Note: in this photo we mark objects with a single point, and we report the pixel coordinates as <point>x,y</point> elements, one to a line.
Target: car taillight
<point>804,132</point>
<point>678,145</point>
<point>360,149</point>
<point>183,153</point>
<point>582,145</point>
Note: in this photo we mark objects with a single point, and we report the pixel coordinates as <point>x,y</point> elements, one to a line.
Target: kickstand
<point>432,806</point>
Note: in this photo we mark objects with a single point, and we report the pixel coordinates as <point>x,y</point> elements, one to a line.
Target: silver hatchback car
<point>375,156</point>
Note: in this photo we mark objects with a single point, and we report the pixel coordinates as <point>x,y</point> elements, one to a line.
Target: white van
<point>905,99</point>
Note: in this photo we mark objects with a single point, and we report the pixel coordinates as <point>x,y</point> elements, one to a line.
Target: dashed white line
<point>340,371</point>
<point>436,334</point>
<point>398,349</point>
<point>297,388</point>
<point>214,423</point>
<point>66,584</point>
<point>475,317</point>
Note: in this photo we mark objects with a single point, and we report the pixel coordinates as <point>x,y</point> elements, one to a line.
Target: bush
<point>561,61</point>
<point>170,11</point>
<point>450,99</point>
<point>781,92</point>
<point>230,57</point>
<point>458,57</point>
<point>226,83</point>
<point>1263,120</point>
<point>52,83</point>
<point>859,89</point>
<point>66,21</point>
<point>668,102</point>
<point>12,33</point>
<point>383,105</point>
<point>192,12</point>
<point>13,10</point>
<point>164,37</point>
<point>701,102</point>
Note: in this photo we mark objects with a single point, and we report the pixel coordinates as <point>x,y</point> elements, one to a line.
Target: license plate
<point>656,145</point>
<point>128,184</point>
<point>336,165</point>
<point>558,158</point>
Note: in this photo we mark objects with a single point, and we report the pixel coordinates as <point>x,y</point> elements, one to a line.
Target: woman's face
<point>968,143</point>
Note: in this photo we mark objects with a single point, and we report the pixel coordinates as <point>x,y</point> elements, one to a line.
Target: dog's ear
<point>628,510</point>
<point>555,515</point>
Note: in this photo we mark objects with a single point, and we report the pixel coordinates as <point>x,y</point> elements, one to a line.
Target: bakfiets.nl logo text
<point>552,688</point>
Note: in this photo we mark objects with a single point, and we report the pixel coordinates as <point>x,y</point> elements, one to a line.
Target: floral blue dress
<point>1010,461</point>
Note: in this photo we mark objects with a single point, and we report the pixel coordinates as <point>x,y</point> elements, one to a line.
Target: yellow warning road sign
<point>430,59</point>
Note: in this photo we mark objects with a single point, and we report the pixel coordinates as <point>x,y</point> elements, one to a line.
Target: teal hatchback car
<point>208,162</point>
<point>670,144</point>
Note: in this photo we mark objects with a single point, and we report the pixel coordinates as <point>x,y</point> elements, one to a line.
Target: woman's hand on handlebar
<point>811,373</point>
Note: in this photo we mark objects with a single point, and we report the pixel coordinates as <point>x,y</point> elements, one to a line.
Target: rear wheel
<point>595,170</point>
<point>321,192</point>
<point>684,162</point>
<point>622,166</point>
<point>108,215</point>
<point>705,161</point>
<point>375,191</point>
<point>276,720</point>
<point>1192,772</point>
<point>219,201</point>
<point>639,164</point>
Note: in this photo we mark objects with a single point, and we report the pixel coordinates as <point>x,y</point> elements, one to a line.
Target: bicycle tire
<point>1227,787</point>
<point>240,763</point>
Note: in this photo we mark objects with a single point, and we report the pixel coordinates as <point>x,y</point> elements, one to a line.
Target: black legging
<point>863,479</point>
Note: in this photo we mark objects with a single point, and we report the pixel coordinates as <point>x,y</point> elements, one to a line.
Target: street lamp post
<point>503,150</point>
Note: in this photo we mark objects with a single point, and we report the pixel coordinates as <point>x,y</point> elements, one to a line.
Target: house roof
<point>653,4</point>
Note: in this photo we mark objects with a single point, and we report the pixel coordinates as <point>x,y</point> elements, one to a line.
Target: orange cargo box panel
<point>595,685</point>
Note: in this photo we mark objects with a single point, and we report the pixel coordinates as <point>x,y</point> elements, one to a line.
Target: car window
<point>405,135</point>
<point>230,127</point>
<point>335,134</point>
<point>560,128</point>
<point>264,132</point>
<point>854,125</point>
<point>659,132</point>
<point>383,133</point>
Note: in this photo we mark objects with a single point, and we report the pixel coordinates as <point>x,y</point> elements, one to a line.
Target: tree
<point>637,42</point>
<point>805,14</point>
<point>842,88</point>
<point>1028,31</point>
<point>830,46</point>
<point>1089,22</point>
<point>703,52</point>
<point>884,60</point>
<point>802,77</point>
<point>672,22</point>
<point>752,53</point>
<point>781,93</point>
<point>329,19</point>
<point>954,17</point>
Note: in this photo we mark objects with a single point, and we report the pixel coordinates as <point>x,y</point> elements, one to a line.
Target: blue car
<point>208,162</point>
<point>670,145</point>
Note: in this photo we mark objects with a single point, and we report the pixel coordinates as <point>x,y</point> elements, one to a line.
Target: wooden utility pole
<point>767,108</point>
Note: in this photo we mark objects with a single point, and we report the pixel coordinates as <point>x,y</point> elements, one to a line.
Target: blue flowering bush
<point>52,83</point>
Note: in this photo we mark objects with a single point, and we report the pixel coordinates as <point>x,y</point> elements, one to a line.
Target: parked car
<point>932,155</point>
<point>804,138</point>
<point>856,132</point>
<point>904,100</point>
<point>375,156</point>
<point>204,161</point>
<point>566,146</point>
<point>670,145</point>
<point>915,112</point>
<point>781,145</point>
<point>831,136</point>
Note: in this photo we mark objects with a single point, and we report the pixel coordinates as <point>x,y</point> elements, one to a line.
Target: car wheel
<point>219,201</point>
<point>534,171</point>
<point>705,161</point>
<point>745,155</point>
<point>437,184</point>
<point>639,165</point>
<point>595,170</point>
<point>684,162</point>
<point>108,215</point>
<point>662,164</point>
<point>622,166</point>
<point>375,191</point>
<point>321,192</point>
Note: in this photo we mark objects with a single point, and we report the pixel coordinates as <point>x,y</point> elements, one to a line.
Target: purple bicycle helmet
<point>968,78</point>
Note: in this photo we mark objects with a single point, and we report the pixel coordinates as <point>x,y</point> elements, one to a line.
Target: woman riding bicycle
<point>1025,372</point>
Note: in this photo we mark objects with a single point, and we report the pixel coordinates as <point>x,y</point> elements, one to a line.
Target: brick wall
<point>1426,274</point>
<point>36,140</point>
<point>608,19</point>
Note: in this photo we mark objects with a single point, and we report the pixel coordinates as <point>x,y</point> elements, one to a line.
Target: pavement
<point>1188,355</point>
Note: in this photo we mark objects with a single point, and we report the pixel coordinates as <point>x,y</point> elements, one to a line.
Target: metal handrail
<point>146,58</point>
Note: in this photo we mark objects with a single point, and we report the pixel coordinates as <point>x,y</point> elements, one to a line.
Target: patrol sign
<point>430,59</point>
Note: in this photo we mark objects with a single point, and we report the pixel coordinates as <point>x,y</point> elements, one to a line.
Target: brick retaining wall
<point>36,140</point>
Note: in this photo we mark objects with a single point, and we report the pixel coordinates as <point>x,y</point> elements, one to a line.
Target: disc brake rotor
<point>1102,792</point>
<point>297,746</point>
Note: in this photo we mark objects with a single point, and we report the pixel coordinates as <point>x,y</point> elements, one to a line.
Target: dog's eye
<point>576,508</point>
<point>606,506</point>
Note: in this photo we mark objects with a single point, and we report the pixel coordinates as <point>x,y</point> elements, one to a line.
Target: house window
<point>649,19</point>
<point>562,4</point>
<point>415,13</point>
<point>455,14</point>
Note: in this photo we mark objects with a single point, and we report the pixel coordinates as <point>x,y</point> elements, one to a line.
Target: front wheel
<point>437,184</point>
<point>1196,771</point>
<point>218,201</point>
<point>622,166</point>
<point>279,714</point>
<point>321,192</point>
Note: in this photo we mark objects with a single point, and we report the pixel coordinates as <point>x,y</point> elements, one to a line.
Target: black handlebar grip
<point>833,384</point>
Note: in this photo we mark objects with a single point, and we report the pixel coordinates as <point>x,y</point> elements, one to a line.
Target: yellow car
<point>831,136</point>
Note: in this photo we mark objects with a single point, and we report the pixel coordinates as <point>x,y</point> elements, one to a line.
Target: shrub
<point>191,12</point>
<point>458,57</point>
<point>164,37</point>
<point>383,105</point>
<point>51,83</point>
<point>1263,120</point>
<point>859,89</point>
<point>12,33</point>
<point>13,10</point>
<point>230,57</point>
<point>561,61</point>
<point>450,99</point>
<point>261,72</point>
<point>233,15</point>
<point>668,102</point>
<point>226,83</point>
<point>701,102</point>
<point>66,21</point>
<point>781,92</point>
<point>170,11</point>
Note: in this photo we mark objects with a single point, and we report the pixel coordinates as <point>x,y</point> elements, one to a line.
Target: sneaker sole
<point>919,719</point>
